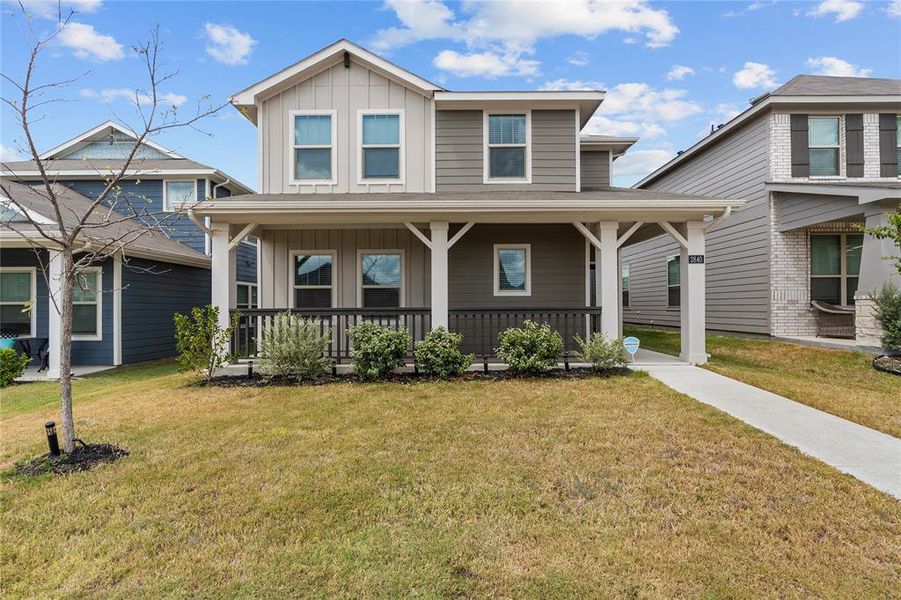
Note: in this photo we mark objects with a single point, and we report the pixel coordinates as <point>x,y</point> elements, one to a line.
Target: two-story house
<point>385,196</point>
<point>127,316</point>
<point>814,159</point>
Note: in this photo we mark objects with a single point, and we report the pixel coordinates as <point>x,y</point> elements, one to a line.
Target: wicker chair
<point>834,321</point>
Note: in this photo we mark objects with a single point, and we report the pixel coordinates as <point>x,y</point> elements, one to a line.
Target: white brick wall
<point>871,146</point>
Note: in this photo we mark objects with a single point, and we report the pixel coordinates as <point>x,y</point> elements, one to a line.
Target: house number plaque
<point>696,259</point>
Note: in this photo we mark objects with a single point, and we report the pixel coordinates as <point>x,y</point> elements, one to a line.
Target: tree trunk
<point>64,303</point>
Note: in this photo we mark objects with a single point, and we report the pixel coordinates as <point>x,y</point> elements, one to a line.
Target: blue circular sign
<point>631,344</point>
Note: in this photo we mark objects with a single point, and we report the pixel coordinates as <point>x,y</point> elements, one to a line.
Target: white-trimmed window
<point>673,281</point>
<point>512,270</point>
<point>823,141</point>
<point>17,301</point>
<point>381,278</point>
<point>508,147</point>
<point>247,296</point>
<point>835,267</point>
<point>626,284</point>
<point>313,146</point>
<point>178,193</point>
<point>87,305</point>
<point>313,278</point>
<point>381,135</point>
<point>898,143</point>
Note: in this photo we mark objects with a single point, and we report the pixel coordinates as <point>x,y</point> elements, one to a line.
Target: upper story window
<point>508,148</point>
<point>313,142</point>
<point>17,302</point>
<point>512,270</point>
<point>178,194</point>
<point>381,146</point>
<point>823,143</point>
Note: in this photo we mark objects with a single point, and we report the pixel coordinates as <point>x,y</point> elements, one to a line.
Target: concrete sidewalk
<point>869,455</point>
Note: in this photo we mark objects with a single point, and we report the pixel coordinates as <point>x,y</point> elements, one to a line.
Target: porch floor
<point>32,374</point>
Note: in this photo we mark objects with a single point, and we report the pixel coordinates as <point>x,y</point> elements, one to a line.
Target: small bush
<point>532,348</point>
<point>377,350</point>
<point>293,347</point>
<point>201,344</point>
<point>888,312</point>
<point>12,365</point>
<point>439,354</point>
<point>603,354</point>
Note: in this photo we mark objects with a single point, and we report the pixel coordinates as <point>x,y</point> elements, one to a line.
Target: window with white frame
<point>507,151</point>
<point>626,284</point>
<point>86,305</point>
<point>835,267</point>
<point>179,193</point>
<point>17,301</point>
<point>823,143</point>
<point>898,143</point>
<point>381,146</point>
<point>381,279</point>
<point>512,270</point>
<point>673,282</point>
<point>313,279</point>
<point>313,145</point>
<point>247,297</point>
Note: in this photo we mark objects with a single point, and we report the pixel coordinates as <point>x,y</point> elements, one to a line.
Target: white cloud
<point>134,96</point>
<point>601,125</point>
<point>727,110</point>
<point>830,65</point>
<point>228,45</point>
<point>754,75</point>
<point>894,9</point>
<point>640,162</point>
<point>484,64</point>
<point>679,72</point>
<point>86,43</point>
<point>571,85</point>
<point>8,154</point>
<point>580,58</point>
<point>844,10</point>
<point>509,29</point>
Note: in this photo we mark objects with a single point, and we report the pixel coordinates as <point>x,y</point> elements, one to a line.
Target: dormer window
<point>508,151</point>
<point>313,147</point>
<point>381,134</point>
<point>823,144</point>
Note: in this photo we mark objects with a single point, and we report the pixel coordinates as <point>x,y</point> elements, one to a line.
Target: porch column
<point>693,295</point>
<point>606,278</point>
<point>224,265</point>
<point>439,249</point>
<point>54,324</point>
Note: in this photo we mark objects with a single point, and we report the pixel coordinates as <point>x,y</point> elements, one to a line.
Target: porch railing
<point>480,327</point>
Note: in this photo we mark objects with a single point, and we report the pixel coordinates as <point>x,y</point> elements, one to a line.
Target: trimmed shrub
<point>603,354</point>
<point>293,347</point>
<point>888,312</point>
<point>12,365</point>
<point>532,348</point>
<point>439,354</point>
<point>201,344</point>
<point>377,350</point>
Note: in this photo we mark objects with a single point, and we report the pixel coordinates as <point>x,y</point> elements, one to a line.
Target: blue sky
<point>670,68</point>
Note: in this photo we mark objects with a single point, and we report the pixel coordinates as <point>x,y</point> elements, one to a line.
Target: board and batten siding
<point>459,152</point>
<point>346,91</point>
<point>595,170</point>
<point>737,253</point>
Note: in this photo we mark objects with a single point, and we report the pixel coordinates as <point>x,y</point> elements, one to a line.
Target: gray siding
<point>595,170</point>
<point>737,252</point>
<point>794,211</point>
<point>459,152</point>
<point>246,263</point>
<point>149,302</point>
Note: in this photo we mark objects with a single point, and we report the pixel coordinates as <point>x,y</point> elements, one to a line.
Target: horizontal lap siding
<point>737,253</point>
<point>801,210</point>
<point>595,170</point>
<point>153,292</point>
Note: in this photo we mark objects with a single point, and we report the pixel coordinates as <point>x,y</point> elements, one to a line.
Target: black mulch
<point>888,364</point>
<point>84,458</point>
<point>257,381</point>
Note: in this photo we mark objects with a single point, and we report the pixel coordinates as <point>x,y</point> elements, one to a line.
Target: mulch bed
<point>258,381</point>
<point>888,364</point>
<point>84,458</point>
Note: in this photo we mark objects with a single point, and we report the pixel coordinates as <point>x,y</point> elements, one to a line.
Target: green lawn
<point>836,381</point>
<point>539,488</point>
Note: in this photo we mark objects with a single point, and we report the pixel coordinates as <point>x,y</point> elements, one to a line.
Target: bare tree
<point>106,227</point>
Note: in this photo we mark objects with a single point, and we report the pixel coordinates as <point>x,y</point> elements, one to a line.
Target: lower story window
<point>673,282</point>
<point>17,297</point>
<point>835,267</point>
<point>86,311</point>
<point>627,283</point>
<point>512,270</point>
<point>313,279</point>
<point>247,296</point>
<point>380,284</point>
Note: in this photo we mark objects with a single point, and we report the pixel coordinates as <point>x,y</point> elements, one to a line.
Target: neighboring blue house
<point>172,275</point>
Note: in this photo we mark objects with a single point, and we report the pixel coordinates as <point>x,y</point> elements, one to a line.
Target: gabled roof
<point>246,99</point>
<point>823,85</point>
<point>99,133</point>
<point>616,145</point>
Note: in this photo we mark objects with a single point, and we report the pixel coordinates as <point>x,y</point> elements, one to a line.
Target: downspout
<point>219,185</point>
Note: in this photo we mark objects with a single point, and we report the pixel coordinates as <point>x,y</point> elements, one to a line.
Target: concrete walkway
<point>869,455</point>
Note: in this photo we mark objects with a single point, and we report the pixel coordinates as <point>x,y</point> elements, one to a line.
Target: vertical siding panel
<point>280,263</point>
<point>267,270</point>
